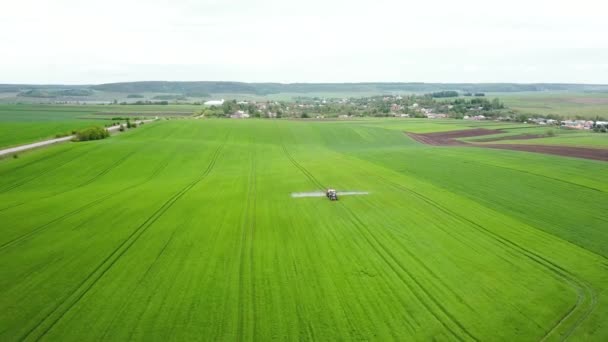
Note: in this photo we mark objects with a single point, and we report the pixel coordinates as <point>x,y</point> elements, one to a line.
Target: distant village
<point>472,107</point>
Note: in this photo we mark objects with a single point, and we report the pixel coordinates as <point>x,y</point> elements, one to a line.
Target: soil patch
<point>512,137</point>
<point>449,139</point>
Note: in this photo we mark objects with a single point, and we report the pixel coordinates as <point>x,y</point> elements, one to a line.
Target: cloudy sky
<point>97,41</point>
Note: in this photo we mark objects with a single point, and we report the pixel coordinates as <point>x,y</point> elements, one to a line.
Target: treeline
<point>147,102</point>
<point>170,97</point>
<point>40,93</point>
<point>448,93</point>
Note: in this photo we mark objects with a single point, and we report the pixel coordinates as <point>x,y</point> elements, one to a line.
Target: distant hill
<point>274,88</point>
<point>56,93</point>
<point>206,88</point>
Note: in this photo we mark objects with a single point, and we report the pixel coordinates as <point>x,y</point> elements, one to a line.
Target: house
<point>436,116</point>
<point>214,102</point>
<point>577,124</point>
<point>239,114</point>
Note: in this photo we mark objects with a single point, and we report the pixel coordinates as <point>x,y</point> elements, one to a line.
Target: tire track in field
<point>39,160</point>
<point>538,175</point>
<point>49,321</point>
<point>77,186</point>
<point>582,289</point>
<point>362,228</point>
<point>317,183</point>
<point>82,208</point>
<point>139,282</point>
<point>42,173</point>
<point>247,251</point>
<point>106,170</point>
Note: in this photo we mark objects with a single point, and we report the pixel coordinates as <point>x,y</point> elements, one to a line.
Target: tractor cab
<point>332,194</point>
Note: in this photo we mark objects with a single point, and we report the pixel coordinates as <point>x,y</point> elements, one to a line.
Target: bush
<point>122,128</point>
<point>550,133</point>
<point>15,156</point>
<point>93,133</point>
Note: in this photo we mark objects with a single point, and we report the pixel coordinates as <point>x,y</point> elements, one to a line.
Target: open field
<point>565,104</point>
<point>21,124</point>
<point>187,230</point>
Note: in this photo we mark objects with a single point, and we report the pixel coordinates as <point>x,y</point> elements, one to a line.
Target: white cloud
<point>69,41</point>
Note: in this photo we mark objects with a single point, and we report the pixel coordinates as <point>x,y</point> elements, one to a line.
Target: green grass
<point>20,124</point>
<point>186,230</point>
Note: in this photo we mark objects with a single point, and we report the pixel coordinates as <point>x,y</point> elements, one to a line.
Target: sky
<point>102,41</point>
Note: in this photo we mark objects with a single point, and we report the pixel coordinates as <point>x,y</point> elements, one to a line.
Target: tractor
<point>332,194</point>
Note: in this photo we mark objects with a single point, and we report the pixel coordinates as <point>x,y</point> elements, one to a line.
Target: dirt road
<point>21,148</point>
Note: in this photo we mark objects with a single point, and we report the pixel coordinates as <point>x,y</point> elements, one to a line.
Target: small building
<point>214,102</point>
<point>239,114</point>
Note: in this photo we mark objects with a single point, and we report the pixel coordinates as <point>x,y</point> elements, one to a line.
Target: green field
<point>186,230</point>
<point>25,123</point>
<point>565,104</point>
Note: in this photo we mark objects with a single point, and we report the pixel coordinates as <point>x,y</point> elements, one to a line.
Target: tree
<point>92,133</point>
<point>496,104</point>
<point>522,118</point>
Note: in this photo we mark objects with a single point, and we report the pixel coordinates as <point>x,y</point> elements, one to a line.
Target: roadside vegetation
<point>91,133</point>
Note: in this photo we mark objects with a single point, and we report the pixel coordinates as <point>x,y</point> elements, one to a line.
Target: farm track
<point>314,181</point>
<point>247,257</point>
<point>51,319</point>
<point>140,281</point>
<point>87,182</point>
<point>387,256</point>
<point>583,289</point>
<point>106,170</point>
<point>38,175</point>
<point>48,156</point>
<point>82,208</point>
